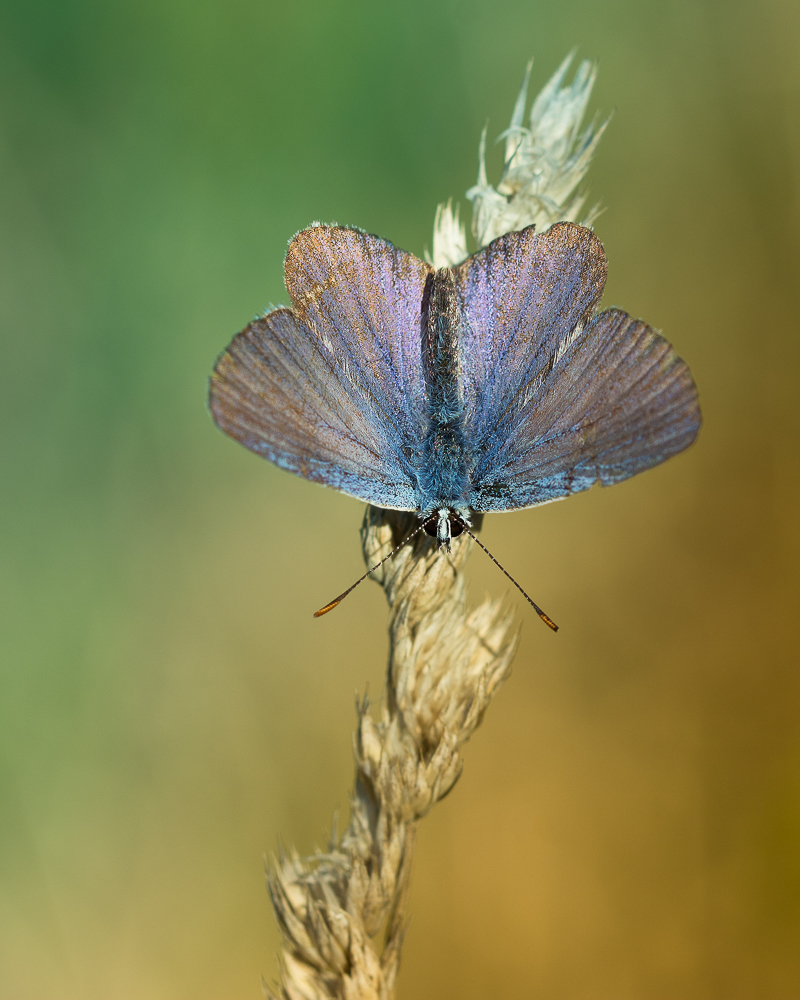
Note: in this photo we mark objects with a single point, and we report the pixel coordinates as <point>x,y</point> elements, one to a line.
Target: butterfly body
<point>444,475</point>
<point>491,386</point>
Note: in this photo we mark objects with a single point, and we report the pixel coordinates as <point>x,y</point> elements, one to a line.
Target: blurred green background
<point>628,824</point>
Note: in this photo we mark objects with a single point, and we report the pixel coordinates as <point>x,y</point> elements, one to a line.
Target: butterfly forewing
<point>331,389</point>
<point>617,401</point>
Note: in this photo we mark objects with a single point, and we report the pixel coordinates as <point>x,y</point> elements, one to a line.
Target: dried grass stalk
<point>342,913</point>
<point>445,663</point>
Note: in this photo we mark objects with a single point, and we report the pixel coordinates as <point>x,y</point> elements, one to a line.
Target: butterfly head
<point>446,523</point>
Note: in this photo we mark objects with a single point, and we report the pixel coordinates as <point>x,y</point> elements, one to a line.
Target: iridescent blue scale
<point>491,386</point>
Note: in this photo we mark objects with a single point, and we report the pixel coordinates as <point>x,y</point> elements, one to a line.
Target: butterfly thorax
<point>443,477</point>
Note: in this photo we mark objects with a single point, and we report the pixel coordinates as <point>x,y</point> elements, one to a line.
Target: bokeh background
<point>628,823</point>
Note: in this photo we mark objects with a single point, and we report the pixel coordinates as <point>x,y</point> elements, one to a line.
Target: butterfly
<point>494,385</point>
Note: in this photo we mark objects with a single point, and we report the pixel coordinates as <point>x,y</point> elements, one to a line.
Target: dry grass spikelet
<point>445,661</point>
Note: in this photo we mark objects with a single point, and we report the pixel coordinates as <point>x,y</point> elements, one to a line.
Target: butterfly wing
<point>332,389</point>
<point>588,399</point>
<point>520,297</point>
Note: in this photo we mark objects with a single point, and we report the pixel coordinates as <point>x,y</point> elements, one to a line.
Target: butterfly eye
<point>456,526</point>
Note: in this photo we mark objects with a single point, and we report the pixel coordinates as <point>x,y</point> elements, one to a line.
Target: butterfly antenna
<point>534,605</point>
<point>338,600</point>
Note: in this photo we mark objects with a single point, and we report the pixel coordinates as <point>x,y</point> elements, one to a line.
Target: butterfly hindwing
<point>332,388</point>
<point>521,296</point>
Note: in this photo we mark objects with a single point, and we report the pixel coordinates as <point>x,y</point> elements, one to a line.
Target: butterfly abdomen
<point>443,476</point>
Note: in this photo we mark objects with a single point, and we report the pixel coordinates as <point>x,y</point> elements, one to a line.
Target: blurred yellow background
<point>628,823</point>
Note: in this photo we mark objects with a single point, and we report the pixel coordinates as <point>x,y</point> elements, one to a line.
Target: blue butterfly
<point>490,386</point>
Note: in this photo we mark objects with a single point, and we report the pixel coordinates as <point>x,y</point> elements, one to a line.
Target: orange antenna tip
<point>327,608</point>
<point>545,618</point>
<point>341,597</point>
